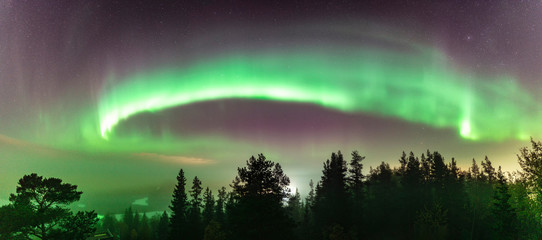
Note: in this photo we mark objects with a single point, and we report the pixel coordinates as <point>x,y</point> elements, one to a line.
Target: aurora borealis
<point>353,80</point>
<point>103,94</point>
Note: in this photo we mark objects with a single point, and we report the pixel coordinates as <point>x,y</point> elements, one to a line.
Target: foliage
<point>179,208</point>
<point>257,211</point>
<point>39,209</point>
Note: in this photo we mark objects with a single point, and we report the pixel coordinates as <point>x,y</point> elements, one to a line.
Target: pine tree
<point>426,167</point>
<point>295,208</point>
<point>357,192</point>
<point>413,194</point>
<point>208,207</point>
<point>144,230</point>
<point>403,163</point>
<point>307,227</point>
<point>382,202</point>
<point>194,224</point>
<point>179,208</point>
<point>504,214</point>
<point>162,229</point>
<point>220,205</point>
<point>438,169</point>
<point>530,161</point>
<point>128,219</point>
<point>488,170</point>
<point>109,223</point>
<point>355,173</point>
<point>309,200</point>
<point>258,212</point>
<point>474,171</point>
<point>136,223</point>
<point>39,209</point>
<point>455,200</point>
<point>413,173</point>
<point>479,192</point>
<point>331,205</point>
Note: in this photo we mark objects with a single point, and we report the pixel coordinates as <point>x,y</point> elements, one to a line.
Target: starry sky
<point>117,96</point>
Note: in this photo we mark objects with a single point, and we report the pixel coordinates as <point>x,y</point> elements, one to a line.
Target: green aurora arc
<point>417,85</point>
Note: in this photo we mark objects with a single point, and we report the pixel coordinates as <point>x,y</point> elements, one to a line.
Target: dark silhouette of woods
<point>39,210</point>
<point>425,197</point>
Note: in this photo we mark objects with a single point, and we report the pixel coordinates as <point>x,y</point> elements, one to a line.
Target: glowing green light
<point>465,129</point>
<point>416,85</point>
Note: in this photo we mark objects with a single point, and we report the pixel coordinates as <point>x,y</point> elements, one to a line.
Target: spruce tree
<point>355,180</point>
<point>128,219</point>
<point>208,207</point>
<point>474,171</point>
<point>331,206</point>
<point>179,208</point>
<point>220,205</point>
<point>504,214</point>
<point>194,224</point>
<point>162,229</point>
<point>295,207</point>
<point>488,171</point>
<point>144,230</point>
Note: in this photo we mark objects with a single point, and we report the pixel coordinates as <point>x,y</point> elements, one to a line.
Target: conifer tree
<point>426,167</point>
<point>474,171</point>
<point>331,205</point>
<point>194,224</point>
<point>128,219</point>
<point>503,212</point>
<point>258,212</point>
<point>144,230</point>
<point>355,180</point>
<point>295,207</point>
<point>488,171</point>
<point>220,205</point>
<point>39,210</point>
<point>208,207</point>
<point>179,208</point>
<point>530,161</point>
<point>162,229</point>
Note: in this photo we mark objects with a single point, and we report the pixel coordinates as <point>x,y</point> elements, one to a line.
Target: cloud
<point>141,202</point>
<point>175,159</point>
<point>13,143</point>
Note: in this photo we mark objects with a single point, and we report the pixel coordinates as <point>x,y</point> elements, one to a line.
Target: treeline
<point>425,197</point>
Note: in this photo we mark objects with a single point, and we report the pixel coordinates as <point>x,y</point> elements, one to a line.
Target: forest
<point>424,197</point>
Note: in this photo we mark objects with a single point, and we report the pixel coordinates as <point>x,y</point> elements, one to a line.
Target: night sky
<point>117,96</point>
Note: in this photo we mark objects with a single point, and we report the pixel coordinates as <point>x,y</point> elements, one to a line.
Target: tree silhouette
<point>208,207</point>
<point>355,183</point>
<point>128,226</point>
<point>258,212</point>
<point>179,208</point>
<point>214,231</point>
<point>422,197</point>
<point>195,229</point>
<point>162,229</point>
<point>503,212</point>
<point>530,161</point>
<point>382,195</point>
<point>220,204</point>
<point>295,212</point>
<point>110,223</point>
<point>488,170</point>
<point>39,210</point>
<point>332,200</point>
